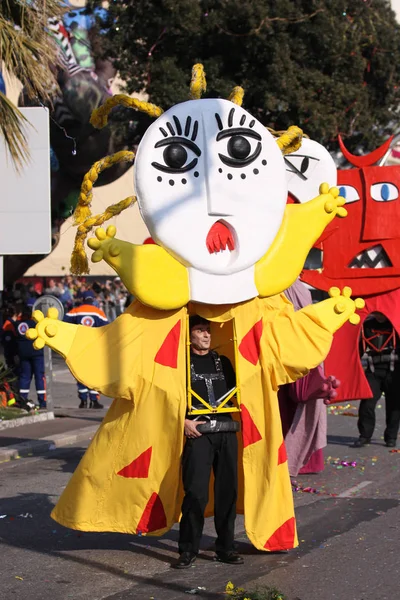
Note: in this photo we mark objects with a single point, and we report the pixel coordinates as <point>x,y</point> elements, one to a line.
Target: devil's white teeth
<point>371,258</point>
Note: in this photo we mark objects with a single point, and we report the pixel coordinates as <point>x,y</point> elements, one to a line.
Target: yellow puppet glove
<point>339,309</point>
<point>151,274</point>
<point>51,332</point>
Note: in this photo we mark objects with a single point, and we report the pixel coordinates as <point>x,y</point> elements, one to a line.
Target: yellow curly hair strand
<point>82,210</point>
<point>99,116</point>
<point>79,260</point>
<point>198,84</point>
<point>290,140</point>
<point>236,95</point>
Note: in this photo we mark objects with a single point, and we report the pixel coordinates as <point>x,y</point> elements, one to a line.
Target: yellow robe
<point>129,480</point>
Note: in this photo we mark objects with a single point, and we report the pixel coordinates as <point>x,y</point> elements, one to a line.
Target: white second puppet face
<point>211,185</point>
<point>307,168</point>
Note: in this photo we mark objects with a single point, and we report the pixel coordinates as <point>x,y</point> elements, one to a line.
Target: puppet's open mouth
<point>372,258</point>
<point>219,238</point>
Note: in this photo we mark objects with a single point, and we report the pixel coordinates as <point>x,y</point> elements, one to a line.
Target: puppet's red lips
<point>371,258</point>
<point>219,238</point>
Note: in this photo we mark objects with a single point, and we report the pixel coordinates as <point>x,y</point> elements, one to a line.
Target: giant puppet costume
<point>211,187</point>
<point>365,254</point>
<point>302,403</point>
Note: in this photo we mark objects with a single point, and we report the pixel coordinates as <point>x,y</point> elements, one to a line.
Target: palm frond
<point>12,123</point>
<point>29,53</point>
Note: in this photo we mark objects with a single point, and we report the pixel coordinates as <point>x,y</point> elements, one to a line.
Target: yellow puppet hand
<point>51,332</point>
<point>104,244</point>
<point>339,308</point>
<point>333,201</point>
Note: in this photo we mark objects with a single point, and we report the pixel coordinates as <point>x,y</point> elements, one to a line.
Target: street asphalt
<point>348,520</point>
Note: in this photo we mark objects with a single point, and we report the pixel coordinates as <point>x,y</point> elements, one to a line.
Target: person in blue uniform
<point>31,361</point>
<point>90,316</point>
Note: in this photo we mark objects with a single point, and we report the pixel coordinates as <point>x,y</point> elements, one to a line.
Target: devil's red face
<point>363,250</point>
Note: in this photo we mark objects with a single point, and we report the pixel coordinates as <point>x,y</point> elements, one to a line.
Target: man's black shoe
<point>391,443</point>
<point>362,441</point>
<point>232,558</point>
<point>95,404</point>
<point>83,404</point>
<point>185,560</point>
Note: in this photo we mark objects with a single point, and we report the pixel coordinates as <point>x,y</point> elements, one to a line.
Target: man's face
<point>200,337</point>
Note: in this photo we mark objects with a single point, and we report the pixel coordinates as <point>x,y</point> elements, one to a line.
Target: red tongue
<point>219,237</point>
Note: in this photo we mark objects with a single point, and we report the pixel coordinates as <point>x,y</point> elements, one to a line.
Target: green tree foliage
<point>330,66</point>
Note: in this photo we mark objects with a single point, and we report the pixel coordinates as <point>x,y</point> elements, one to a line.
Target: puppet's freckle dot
<point>255,171</point>
<point>196,173</point>
<point>159,178</point>
<point>219,170</point>
<point>264,162</point>
<point>230,176</point>
<point>171,182</point>
<point>184,181</point>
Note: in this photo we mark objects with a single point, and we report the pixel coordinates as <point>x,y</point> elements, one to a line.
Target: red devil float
<point>363,253</point>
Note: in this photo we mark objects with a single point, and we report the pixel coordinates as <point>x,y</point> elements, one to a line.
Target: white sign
<point>25,226</point>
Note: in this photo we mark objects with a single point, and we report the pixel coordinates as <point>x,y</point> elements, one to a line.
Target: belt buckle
<point>213,423</point>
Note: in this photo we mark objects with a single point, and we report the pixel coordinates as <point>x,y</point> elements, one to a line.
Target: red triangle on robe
<point>153,517</point>
<point>283,538</point>
<point>250,433</point>
<point>167,355</point>
<point>249,347</point>
<point>139,467</point>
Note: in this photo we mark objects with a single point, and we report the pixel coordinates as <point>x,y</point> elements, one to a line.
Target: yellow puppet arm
<point>103,358</point>
<point>301,227</point>
<point>151,274</point>
<point>293,343</point>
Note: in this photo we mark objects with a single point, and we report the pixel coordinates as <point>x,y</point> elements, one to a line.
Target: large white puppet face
<point>307,168</point>
<point>211,185</point>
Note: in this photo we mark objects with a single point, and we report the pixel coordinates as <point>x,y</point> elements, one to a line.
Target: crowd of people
<point>23,362</point>
<point>111,295</point>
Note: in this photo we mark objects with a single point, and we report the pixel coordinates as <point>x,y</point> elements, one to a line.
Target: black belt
<point>214,426</point>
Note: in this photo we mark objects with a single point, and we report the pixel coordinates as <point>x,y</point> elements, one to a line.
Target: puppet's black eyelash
<point>230,120</point>
<point>179,128</point>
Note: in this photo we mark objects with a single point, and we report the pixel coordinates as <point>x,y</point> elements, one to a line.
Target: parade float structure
<point>211,187</point>
<point>364,253</point>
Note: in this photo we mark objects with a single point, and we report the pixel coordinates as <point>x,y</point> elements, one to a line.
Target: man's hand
<point>191,428</point>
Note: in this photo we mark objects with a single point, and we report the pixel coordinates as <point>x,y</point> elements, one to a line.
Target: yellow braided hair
<point>99,116</point>
<point>79,260</point>
<point>290,140</point>
<point>198,84</point>
<point>236,95</point>
<point>82,210</point>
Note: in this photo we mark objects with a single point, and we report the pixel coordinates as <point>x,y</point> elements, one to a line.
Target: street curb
<point>46,416</point>
<point>47,444</point>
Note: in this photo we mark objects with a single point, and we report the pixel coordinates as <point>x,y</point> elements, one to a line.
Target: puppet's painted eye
<point>300,164</point>
<point>384,192</point>
<point>349,193</point>
<point>243,147</point>
<point>177,152</point>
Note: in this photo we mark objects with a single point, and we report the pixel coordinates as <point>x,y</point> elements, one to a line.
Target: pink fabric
<point>303,412</point>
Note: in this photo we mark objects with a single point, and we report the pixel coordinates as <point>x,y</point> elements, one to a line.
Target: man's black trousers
<point>382,380</point>
<point>217,451</point>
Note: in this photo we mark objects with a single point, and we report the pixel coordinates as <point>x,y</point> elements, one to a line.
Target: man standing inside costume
<point>211,443</point>
<point>379,351</point>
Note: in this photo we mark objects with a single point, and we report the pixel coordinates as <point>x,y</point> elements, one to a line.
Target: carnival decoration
<point>365,254</point>
<point>211,187</point>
